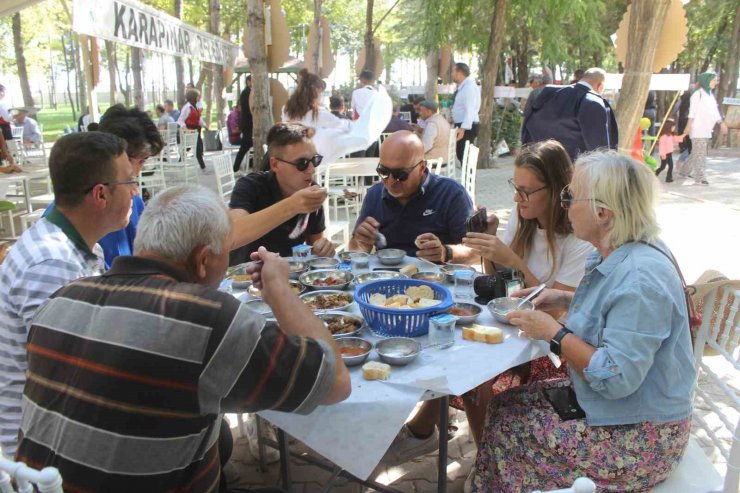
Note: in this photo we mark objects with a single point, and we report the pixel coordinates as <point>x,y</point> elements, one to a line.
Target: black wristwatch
<point>555,341</point>
<point>448,253</point>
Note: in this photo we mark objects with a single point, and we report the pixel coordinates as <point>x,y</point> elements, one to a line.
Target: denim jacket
<point>631,308</point>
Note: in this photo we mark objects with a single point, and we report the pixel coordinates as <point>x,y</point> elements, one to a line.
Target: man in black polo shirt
<point>282,196</point>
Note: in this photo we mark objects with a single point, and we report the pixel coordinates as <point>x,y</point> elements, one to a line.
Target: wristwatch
<point>555,341</point>
<point>448,253</point>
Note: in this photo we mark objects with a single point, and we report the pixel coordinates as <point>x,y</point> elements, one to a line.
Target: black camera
<point>495,285</point>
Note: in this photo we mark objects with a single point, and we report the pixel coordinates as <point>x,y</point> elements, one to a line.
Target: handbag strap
<point>670,257</point>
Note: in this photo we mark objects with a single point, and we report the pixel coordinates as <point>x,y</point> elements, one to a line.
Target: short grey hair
<point>181,219</point>
<point>595,74</point>
<point>626,187</point>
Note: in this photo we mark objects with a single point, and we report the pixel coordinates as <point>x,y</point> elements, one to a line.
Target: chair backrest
<point>223,135</point>
<point>452,153</point>
<point>224,174</point>
<point>406,115</point>
<point>17,133</point>
<point>435,165</point>
<point>188,140</point>
<point>47,480</point>
<point>720,331</point>
<point>580,485</point>
<point>382,138</point>
<point>469,169</point>
<point>151,177</point>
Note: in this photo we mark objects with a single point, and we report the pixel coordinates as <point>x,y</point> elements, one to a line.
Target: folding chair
<point>47,480</point>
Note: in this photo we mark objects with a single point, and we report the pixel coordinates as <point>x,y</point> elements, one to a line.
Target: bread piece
<point>483,333</point>
<point>373,370</point>
<point>409,270</point>
<point>419,292</point>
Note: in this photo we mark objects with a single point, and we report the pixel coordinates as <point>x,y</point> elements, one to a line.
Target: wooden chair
<point>720,334</point>
<point>469,169</point>
<point>224,175</point>
<point>47,480</point>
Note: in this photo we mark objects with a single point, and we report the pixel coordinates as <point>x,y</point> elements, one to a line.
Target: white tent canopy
<point>10,7</point>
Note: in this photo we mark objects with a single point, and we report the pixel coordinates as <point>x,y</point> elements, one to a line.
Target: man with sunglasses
<point>94,184</point>
<point>414,209</point>
<point>274,203</point>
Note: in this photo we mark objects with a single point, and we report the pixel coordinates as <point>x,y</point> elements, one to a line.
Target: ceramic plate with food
<point>327,300</point>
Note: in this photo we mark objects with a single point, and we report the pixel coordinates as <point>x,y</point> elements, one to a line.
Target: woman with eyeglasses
<point>539,242</point>
<point>622,416</point>
<point>304,107</point>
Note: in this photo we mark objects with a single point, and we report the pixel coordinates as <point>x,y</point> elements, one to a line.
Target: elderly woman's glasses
<point>302,163</point>
<point>566,198</point>
<point>401,174</point>
<point>523,194</point>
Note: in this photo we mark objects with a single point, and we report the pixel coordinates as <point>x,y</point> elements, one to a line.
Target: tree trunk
<point>369,48</point>
<point>257,55</point>
<point>179,66</point>
<point>207,96</point>
<point>314,57</point>
<point>646,23</point>
<point>68,70</point>
<point>217,71</point>
<point>728,87</point>
<point>490,71</point>
<point>138,71</point>
<point>20,60</point>
<point>110,50</point>
<point>126,90</point>
<point>79,75</point>
<point>430,88</point>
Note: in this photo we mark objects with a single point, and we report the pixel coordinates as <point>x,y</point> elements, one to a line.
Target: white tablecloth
<point>355,433</point>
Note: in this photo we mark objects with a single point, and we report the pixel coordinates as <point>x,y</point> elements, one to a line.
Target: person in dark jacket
<point>245,124</point>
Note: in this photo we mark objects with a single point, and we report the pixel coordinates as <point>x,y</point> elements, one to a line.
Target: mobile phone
<point>564,402</point>
<point>478,222</point>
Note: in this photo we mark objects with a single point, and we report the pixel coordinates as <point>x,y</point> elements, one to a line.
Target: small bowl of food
<point>354,350</point>
<point>326,279</point>
<point>377,275</point>
<point>342,324</point>
<point>327,300</point>
<point>449,270</point>
<point>239,277</point>
<point>296,268</point>
<point>499,307</point>
<point>348,255</point>
<point>466,313</point>
<point>390,256</point>
<point>398,351</point>
<point>430,276</point>
<point>295,286</point>
<point>323,263</point>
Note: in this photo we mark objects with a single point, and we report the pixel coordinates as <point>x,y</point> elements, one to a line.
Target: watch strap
<point>555,341</point>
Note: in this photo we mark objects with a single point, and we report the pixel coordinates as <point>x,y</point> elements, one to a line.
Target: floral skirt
<point>527,447</point>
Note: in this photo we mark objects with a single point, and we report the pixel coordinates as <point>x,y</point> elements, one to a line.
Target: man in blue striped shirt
<point>93,183</point>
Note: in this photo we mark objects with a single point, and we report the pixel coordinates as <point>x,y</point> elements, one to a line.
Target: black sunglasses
<point>401,174</point>
<point>302,163</point>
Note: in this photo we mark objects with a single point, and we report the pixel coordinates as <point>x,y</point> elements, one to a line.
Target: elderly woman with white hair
<point>623,416</point>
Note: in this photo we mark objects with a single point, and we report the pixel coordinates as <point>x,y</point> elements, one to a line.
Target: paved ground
<point>699,223</point>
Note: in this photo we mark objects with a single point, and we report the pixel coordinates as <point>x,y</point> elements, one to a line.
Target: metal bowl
<point>398,351</point>
<point>358,321</point>
<point>296,268</point>
<point>323,263</point>
<point>449,271</point>
<point>239,277</point>
<point>354,342</point>
<point>308,297</point>
<point>260,307</point>
<point>349,254</point>
<point>390,256</point>
<point>430,276</point>
<point>310,278</point>
<point>377,275</point>
<point>465,319</point>
<point>499,307</point>
<point>296,286</point>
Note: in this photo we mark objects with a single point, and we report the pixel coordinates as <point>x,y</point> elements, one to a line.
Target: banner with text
<point>135,24</point>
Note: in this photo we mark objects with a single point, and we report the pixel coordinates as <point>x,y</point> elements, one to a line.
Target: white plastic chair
<point>381,139</point>
<point>171,152</point>
<point>47,480</point>
<point>580,485</point>
<point>224,175</point>
<point>333,225</point>
<point>720,331</point>
<point>36,153</point>
<point>452,153</point>
<point>151,177</point>
<point>406,115</point>
<point>469,169</point>
<point>186,169</point>
<point>435,165</point>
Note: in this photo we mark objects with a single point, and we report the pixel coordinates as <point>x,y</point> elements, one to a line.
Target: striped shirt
<point>128,373</point>
<point>45,258</point>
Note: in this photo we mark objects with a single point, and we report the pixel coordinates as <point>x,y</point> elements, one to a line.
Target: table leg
<point>27,192</point>
<point>444,403</point>
<point>284,461</point>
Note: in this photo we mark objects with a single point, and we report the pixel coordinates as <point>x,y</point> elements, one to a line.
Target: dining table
<point>355,433</point>
<point>354,167</point>
<point>29,174</point>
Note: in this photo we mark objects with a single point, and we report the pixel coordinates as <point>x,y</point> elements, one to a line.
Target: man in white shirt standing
<point>465,108</point>
<point>436,134</point>
<point>363,94</point>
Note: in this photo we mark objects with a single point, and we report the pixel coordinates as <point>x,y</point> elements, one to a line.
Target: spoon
<point>380,241</point>
<point>531,295</point>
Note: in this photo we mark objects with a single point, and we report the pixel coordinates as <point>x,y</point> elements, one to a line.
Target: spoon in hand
<point>531,295</point>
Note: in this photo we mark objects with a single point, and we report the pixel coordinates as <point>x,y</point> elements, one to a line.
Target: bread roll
<point>409,270</point>
<point>483,333</point>
<point>373,370</point>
